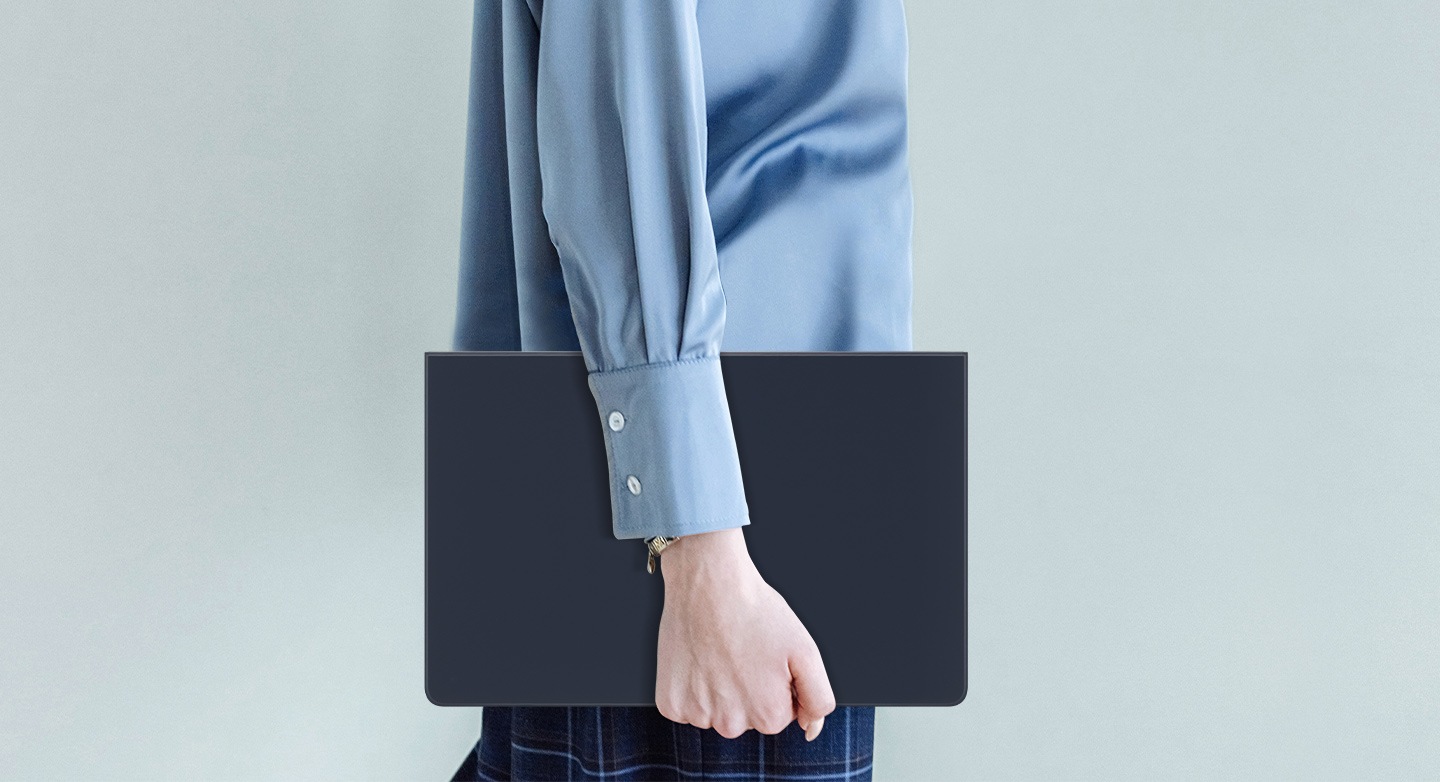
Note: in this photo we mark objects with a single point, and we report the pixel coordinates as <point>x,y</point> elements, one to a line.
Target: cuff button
<point>617,421</point>
<point>634,484</point>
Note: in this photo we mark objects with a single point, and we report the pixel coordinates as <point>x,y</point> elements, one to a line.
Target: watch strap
<point>653,547</point>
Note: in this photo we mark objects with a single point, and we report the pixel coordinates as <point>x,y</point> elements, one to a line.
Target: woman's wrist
<point>706,553</point>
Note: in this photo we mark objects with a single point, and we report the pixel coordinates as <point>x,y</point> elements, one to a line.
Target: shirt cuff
<point>670,448</point>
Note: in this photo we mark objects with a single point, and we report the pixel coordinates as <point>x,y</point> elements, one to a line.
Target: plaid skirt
<point>536,744</point>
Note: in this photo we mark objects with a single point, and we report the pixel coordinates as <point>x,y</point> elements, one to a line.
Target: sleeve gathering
<point>621,131</point>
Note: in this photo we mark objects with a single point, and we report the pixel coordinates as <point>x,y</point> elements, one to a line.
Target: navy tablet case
<point>855,473</point>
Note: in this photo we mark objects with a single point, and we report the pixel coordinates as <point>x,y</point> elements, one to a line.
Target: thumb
<point>813,696</point>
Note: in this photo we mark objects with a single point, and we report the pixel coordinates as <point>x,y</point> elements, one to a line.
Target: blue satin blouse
<point>653,181</point>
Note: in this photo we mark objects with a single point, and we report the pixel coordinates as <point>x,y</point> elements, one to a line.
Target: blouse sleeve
<point>622,145</point>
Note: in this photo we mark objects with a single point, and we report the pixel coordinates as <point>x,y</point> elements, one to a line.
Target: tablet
<point>854,468</point>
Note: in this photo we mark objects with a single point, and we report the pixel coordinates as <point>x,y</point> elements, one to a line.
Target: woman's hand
<point>732,654</point>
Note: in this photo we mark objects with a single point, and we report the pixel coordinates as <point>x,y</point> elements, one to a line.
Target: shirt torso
<point>807,180</point>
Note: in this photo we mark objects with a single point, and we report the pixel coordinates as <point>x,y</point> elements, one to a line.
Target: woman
<point>650,182</point>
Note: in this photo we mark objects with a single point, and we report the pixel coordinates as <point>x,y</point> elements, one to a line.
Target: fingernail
<point>814,729</point>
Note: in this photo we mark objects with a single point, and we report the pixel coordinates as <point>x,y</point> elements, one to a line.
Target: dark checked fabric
<point>638,743</point>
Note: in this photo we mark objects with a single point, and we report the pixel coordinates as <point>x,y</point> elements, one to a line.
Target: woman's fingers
<point>814,699</point>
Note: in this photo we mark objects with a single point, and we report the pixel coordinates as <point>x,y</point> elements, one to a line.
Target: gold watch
<point>654,546</point>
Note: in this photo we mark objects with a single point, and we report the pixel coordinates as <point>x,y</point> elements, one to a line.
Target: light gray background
<point>1193,249</point>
